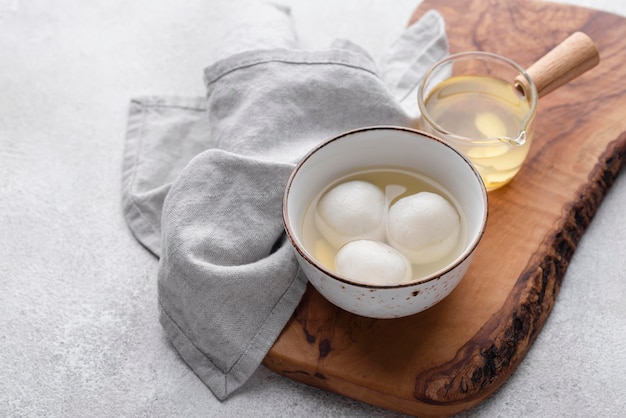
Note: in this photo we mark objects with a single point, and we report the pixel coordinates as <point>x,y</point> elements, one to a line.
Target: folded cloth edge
<point>223,384</point>
<point>138,221</point>
<point>335,56</point>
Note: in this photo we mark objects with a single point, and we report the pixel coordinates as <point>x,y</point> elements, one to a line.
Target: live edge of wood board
<point>453,356</point>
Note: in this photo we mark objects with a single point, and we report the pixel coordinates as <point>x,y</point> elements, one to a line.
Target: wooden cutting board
<point>451,357</point>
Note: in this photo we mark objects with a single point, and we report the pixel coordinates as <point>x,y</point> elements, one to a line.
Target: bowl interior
<point>385,146</point>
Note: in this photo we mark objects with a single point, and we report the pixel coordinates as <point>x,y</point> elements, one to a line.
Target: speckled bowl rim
<point>467,252</point>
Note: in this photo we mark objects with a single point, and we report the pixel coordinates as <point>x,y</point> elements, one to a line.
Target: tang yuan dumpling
<point>425,227</point>
<point>351,210</point>
<point>372,262</point>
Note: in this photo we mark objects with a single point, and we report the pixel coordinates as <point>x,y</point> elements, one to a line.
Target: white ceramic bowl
<point>374,147</point>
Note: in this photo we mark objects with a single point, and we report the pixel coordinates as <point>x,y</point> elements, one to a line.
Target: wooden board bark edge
<point>487,360</point>
<point>496,351</point>
<point>314,345</point>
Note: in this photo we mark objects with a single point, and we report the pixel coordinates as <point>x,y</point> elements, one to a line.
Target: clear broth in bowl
<point>396,183</point>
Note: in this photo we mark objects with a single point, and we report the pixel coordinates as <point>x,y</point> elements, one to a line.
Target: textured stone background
<point>79,334</point>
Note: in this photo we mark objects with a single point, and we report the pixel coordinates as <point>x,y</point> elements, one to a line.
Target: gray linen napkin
<point>203,179</point>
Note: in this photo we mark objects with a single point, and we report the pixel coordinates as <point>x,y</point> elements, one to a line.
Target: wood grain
<point>451,357</point>
<point>574,56</point>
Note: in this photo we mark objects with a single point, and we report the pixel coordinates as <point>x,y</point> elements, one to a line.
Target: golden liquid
<point>397,184</point>
<point>479,108</point>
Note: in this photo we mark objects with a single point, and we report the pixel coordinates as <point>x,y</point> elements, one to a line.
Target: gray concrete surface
<point>79,334</point>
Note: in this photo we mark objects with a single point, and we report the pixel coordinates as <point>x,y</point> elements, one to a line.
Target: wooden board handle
<point>569,59</point>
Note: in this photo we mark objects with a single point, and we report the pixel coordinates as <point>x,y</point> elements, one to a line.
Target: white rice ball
<point>424,227</point>
<point>372,262</point>
<point>351,210</point>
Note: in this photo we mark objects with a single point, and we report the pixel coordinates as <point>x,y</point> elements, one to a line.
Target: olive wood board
<point>456,354</point>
